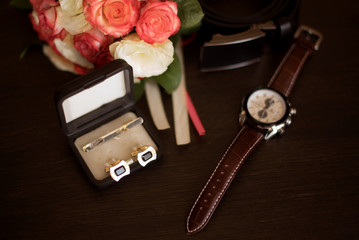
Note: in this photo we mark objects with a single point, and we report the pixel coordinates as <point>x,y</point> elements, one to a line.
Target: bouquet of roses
<point>81,35</point>
<point>84,34</point>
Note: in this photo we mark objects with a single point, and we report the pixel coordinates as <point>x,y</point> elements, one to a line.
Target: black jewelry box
<point>96,104</point>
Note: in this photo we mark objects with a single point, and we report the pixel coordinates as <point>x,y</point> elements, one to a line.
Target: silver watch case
<point>271,129</point>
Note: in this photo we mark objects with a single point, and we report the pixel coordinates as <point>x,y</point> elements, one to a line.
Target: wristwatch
<point>265,113</point>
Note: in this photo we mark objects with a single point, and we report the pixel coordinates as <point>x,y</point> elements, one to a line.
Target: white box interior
<point>94,97</point>
<point>120,147</point>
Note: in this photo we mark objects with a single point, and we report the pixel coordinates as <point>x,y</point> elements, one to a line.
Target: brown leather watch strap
<point>248,138</point>
<point>244,143</point>
<point>284,77</point>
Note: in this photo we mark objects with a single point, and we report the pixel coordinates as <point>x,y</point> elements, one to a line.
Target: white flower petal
<point>73,7</point>
<point>67,49</point>
<point>60,62</point>
<point>35,15</point>
<point>73,23</point>
<point>147,60</point>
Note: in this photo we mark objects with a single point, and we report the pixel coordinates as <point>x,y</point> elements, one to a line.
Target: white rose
<point>147,60</point>
<point>71,6</point>
<point>71,16</point>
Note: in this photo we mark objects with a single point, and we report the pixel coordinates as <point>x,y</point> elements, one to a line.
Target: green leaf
<point>23,53</point>
<point>139,89</point>
<point>21,4</point>
<point>170,79</point>
<point>175,39</point>
<point>34,43</point>
<point>190,14</point>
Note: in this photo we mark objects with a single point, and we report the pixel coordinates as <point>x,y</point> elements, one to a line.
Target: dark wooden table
<point>302,185</point>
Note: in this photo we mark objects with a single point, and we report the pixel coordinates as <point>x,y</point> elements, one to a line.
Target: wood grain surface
<point>302,185</point>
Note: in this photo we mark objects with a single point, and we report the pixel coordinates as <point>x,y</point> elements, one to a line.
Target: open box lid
<point>91,98</point>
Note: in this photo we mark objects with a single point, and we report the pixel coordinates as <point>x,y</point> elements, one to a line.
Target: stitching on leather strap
<point>279,68</point>
<point>295,75</point>
<point>226,184</point>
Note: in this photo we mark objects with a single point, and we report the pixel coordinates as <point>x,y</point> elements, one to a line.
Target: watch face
<point>266,106</point>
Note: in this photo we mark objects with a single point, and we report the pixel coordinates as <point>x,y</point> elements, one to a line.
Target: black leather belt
<point>235,31</point>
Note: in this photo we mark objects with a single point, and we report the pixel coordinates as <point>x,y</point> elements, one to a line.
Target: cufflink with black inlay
<point>121,168</point>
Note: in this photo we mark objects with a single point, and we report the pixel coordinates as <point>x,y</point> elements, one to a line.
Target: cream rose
<point>147,60</point>
<point>71,16</point>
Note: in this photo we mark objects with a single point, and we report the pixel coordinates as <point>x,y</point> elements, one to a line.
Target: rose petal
<point>67,49</point>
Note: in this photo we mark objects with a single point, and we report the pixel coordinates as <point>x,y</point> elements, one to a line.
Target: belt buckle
<point>224,52</point>
<point>311,31</point>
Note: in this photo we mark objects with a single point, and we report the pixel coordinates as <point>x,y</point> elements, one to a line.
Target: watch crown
<point>293,111</point>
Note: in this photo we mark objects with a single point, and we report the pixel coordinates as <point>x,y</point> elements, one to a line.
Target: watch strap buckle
<point>312,32</point>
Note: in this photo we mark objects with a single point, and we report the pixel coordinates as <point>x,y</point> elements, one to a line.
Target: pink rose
<point>45,23</point>
<point>103,58</point>
<point>158,21</point>
<point>40,5</point>
<point>114,17</point>
<point>81,70</point>
<point>91,43</point>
